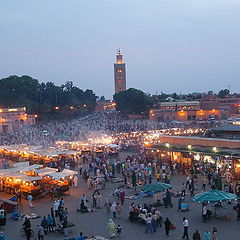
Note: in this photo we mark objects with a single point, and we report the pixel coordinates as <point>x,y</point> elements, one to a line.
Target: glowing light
<point>12,110</point>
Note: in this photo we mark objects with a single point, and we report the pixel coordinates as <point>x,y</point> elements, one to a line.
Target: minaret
<point>119,73</point>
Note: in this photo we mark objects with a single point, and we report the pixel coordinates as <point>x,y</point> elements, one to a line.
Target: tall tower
<point>119,73</point>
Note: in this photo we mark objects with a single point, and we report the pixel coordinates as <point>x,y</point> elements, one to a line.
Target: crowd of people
<point>131,172</point>
<point>45,133</point>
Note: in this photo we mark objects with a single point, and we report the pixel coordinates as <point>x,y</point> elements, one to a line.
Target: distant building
<point>12,118</point>
<point>119,73</point>
<point>227,131</point>
<point>183,105</point>
<point>185,115</point>
<point>230,103</point>
<point>105,106</point>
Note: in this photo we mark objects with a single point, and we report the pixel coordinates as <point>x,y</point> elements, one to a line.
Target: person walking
<point>185,227</point>
<point>168,199</point>
<point>204,183</point>
<point>50,223</point>
<point>113,210</point>
<point>118,210</point>
<point>207,235</point>
<point>108,206</point>
<point>149,223</point>
<point>204,212</point>
<point>154,221</point>
<point>214,234</point>
<point>19,197</point>
<point>55,208</point>
<point>196,235</point>
<point>28,233</point>
<point>40,232</point>
<point>80,237</point>
<point>183,194</point>
<point>122,196</point>
<point>119,230</point>
<point>2,236</point>
<point>167,225</point>
<point>111,228</point>
<point>30,198</point>
<point>44,224</point>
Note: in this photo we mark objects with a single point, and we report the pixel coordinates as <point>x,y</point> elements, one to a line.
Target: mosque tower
<point>119,73</point>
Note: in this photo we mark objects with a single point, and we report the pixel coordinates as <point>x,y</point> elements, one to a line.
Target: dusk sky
<point>168,45</point>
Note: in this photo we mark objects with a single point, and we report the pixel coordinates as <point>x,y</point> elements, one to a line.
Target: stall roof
<point>70,172</point>
<point>8,170</point>
<point>29,179</point>
<point>56,175</point>
<point>227,128</point>
<point>64,173</point>
<point>45,171</point>
<point>31,167</point>
<point>15,175</point>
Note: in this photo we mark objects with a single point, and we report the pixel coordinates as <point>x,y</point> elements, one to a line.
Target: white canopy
<point>29,179</point>
<point>45,171</point>
<point>12,174</point>
<point>31,167</point>
<point>56,175</point>
<point>70,172</point>
<point>63,174</point>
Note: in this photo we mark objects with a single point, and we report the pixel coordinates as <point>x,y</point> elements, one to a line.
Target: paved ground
<point>95,223</point>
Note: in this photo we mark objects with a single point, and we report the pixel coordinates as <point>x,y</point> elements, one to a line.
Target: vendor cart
<point>8,205</point>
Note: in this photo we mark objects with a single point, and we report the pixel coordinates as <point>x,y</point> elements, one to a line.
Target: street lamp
<point>215,149</point>
<point>167,145</point>
<point>189,147</point>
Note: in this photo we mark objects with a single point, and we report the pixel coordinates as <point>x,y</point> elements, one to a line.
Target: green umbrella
<point>214,196</point>
<point>156,187</point>
<point>62,136</point>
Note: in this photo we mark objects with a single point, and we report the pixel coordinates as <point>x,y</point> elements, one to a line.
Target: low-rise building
<point>230,103</point>
<point>105,106</point>
<point>186,115</point>
<point>12,118</point>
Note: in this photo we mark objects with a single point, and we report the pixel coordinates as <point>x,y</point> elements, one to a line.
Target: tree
<point>42,98</point>
<point>132,101</point>
<point>223,93</point>
<point>102,99</point>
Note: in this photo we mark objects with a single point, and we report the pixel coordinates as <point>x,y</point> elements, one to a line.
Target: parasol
<point>156,187</point>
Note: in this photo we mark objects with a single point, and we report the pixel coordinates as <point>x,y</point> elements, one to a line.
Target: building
<point>12,118</point>
<point>185,105</point>
<point>230,103</point>
<point>105,106</point>
<point>224,154</point>
<point>119,73</point>
<point>227,131</point>
<point>185,115</point>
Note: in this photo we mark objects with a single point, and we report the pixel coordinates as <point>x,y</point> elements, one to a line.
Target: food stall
<point>8,205</point>
<point>31,185</point>
<point>12,182</point>
<point>58,181</point>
